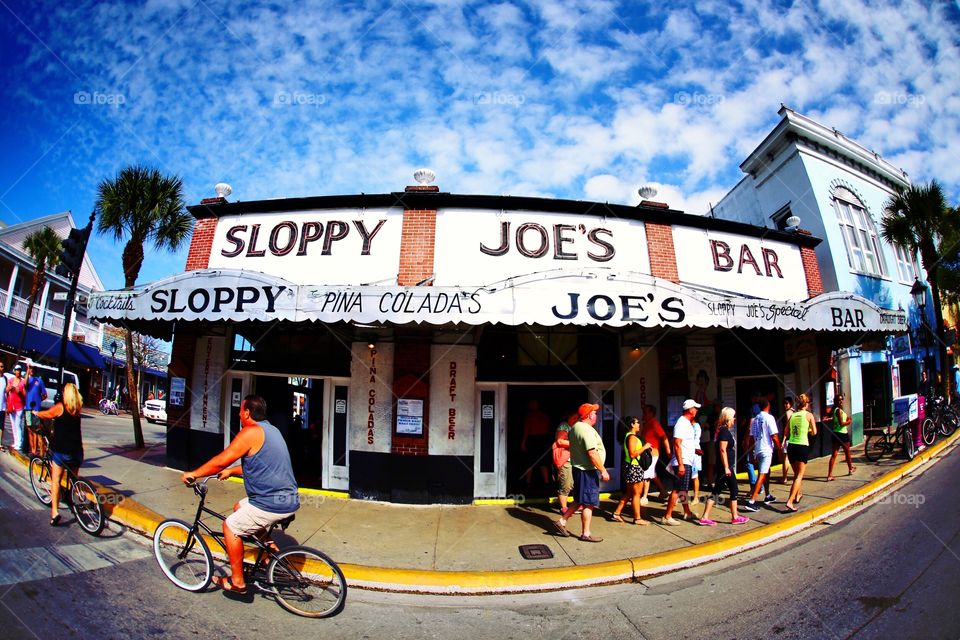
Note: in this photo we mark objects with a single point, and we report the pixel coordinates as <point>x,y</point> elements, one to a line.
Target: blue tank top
<point>268,474</point>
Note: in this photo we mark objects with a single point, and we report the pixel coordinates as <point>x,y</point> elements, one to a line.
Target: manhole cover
<point>535,552</point>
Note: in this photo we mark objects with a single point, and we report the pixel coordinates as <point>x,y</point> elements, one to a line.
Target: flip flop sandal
<point>641,523</point>
<point>227,585</point>
<point>590,539</point>
<point>793,509</point>
<point>616,518</point>
<point>561,530</point>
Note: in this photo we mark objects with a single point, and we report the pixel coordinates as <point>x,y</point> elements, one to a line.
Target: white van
<point>49,376</point>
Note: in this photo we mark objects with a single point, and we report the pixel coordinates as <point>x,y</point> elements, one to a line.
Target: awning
<point>582,297</point>
<point>117,362</point>
<point>47,345</point>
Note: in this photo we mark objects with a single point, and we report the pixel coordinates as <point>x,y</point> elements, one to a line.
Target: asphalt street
<point>890,570</point>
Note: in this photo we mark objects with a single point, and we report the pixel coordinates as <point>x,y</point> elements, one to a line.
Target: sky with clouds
<point>577,99</point>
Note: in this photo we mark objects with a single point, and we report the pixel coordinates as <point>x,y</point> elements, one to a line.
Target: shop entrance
<point>536,410</point>
<point>877,398</point>
<point>749,392</point>
<point>295,407</point>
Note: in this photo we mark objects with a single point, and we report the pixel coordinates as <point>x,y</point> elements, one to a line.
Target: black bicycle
<point>304,581</point>
<point>80,495</point>
<point>884,440</point>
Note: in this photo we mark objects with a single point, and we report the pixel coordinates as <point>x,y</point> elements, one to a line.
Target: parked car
<point>155,411</point>
<point>50,381</point>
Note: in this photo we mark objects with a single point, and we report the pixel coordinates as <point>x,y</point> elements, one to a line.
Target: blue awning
<point>117,362</point>
<point>46,346</point>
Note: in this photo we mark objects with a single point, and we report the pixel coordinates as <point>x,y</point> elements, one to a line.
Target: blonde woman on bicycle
<point>66,445</point>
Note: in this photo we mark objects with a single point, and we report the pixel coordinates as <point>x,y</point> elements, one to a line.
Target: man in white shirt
<point>684,448</point>
<point>764,439</point>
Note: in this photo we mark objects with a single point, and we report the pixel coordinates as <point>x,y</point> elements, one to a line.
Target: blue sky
<point>585,100</point>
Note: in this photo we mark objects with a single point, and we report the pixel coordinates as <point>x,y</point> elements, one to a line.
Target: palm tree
<point>43,247</point>
<point>142,205</point>
<point>916,218</point>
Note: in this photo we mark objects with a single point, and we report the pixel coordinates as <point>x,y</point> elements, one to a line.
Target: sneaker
<point>706,522</point>
<point>690,517</point>
<point>670,522</point>
<point>740,520</point>
<point>749,506</point>
<point>643,501</point>
<point>769,499</point>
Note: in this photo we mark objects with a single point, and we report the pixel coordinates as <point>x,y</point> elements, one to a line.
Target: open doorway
<point>536,409</point>
<point>295,407</point>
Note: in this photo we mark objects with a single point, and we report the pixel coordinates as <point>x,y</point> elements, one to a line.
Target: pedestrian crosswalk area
<point>23,564</point>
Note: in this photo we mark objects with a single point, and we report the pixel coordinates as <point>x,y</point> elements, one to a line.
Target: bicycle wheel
<point>949,422</point>
<point>928,431</point>
<point>85,504</point>
<point>909,443</point>
<point>40,479</point>
<point>307,582</point>
<point>184,558</point>
<point>875,446</point>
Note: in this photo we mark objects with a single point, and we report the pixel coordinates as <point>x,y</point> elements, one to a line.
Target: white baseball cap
<point>690,404</point>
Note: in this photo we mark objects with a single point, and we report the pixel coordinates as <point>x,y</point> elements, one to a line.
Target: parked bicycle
<point>81,496</point>
<point>945,417</point>
<point>109,407</point>
<point>884,440</point>
<point>303,581</point>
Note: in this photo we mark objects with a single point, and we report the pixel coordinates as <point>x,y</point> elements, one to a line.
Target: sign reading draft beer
<point>205,388</point>
<point>371,397</point>
<point>452,400</point>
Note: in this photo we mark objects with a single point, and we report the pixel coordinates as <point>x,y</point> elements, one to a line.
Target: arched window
<point>859,233</point>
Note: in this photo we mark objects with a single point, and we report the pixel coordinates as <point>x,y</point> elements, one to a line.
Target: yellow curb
<point>328,493</point>
<point>554,578</point>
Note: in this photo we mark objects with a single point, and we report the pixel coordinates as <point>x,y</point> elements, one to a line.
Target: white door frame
<point>335,477</point>
<point>491,484</point>
<point>228,410</point>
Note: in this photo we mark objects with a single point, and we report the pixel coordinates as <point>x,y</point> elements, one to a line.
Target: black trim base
<point>411,479</point>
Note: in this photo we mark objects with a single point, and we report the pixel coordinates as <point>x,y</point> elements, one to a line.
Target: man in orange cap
<point>587,454</point>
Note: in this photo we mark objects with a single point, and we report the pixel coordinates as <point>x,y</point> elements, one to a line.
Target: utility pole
<point>71,261</point>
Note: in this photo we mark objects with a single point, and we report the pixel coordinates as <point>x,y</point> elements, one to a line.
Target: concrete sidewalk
<point>474,548</point>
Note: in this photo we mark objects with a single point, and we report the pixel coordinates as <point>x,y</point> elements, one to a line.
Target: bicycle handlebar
<point>200,485</point>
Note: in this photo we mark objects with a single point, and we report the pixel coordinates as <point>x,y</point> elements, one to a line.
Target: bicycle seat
<point>283,524</point>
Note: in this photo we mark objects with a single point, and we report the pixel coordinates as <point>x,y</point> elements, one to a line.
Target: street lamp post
<point>113,357</point>
<point>919,293</point>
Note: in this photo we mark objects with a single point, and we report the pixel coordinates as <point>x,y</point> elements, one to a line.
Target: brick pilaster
<point>198,257</point>
<point>811,267</point>
<point>411,379</point>
<point>663,256</point>
<point>417,240</point>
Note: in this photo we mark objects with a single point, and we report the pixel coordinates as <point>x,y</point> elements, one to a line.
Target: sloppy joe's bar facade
<point>403,340</point>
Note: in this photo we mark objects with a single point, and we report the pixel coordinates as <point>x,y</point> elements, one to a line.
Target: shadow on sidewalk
<point>155,455</point>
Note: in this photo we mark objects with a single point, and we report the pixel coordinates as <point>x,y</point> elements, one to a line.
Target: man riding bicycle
<point>268,479</point>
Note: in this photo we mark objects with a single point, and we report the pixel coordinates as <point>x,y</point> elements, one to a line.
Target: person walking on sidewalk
<point>16,395</point>
<point>66,445</point>
<point>633,448</point>
<point>839,425</point>
<point>587,454</point>
<point>802,426</point>
<point>3,404</point>
<point>268,480</point>
<point>764,440</point>
<point>36,394</point>
<point>784,436</point>
<point>726,443</point>
<point>684,447</point>
<point>653,434</point>
<point>561,459</point>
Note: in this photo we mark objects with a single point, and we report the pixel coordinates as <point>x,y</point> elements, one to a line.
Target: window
<point>906,264</point>
<point>859,234</point>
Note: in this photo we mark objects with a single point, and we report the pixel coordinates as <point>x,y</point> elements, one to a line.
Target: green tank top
<point>838,417</point>
<point>634,462</point>
<point>799,428</point>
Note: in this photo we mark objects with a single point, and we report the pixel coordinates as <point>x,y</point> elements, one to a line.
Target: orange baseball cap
<point>586,409</point>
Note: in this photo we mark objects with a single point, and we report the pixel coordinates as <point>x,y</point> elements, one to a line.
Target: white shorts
<point>651,471</point>
<point>249,520</point>
<point>764,460</point>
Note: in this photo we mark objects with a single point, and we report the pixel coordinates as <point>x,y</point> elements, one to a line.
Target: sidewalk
<point>474,548</point>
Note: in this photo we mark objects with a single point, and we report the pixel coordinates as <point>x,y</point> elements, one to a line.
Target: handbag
<point>646,459</point>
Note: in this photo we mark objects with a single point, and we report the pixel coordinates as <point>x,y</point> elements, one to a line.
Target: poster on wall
<point>702,373</point>
<point>410,416</point>
<point>453,400</point>
<point>178,387</point>
<point>205,390</point>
